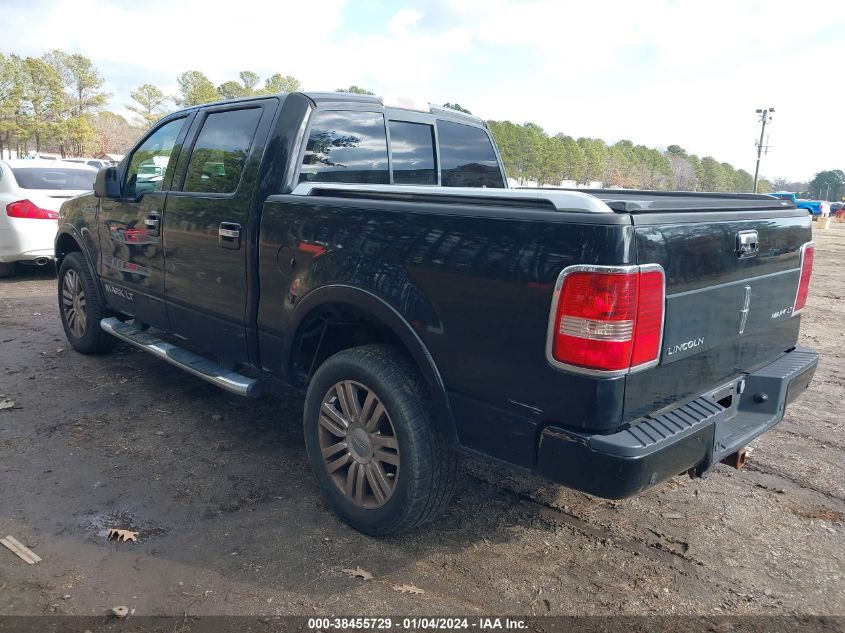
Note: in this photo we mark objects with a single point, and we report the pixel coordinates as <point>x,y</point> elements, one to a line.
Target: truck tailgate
<point>727,311</point>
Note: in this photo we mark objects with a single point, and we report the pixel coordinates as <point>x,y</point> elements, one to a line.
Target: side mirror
<point>106,184</point>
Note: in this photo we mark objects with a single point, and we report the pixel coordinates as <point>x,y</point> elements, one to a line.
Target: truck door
<point>132,258</point>
<point>206,226</point>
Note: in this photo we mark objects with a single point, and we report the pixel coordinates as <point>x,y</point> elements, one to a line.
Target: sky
<point>656,72</point>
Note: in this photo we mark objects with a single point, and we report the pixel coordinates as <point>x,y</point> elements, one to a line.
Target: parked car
<point>607,339</point>
<point>31,192</point>
<point>813,207</point>
<point>96,163</point>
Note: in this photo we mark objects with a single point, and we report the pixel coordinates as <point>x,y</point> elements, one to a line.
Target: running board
<point>182,358</point>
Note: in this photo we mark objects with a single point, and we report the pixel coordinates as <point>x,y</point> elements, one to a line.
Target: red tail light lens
<point>808,252</point>
<point>607,319</point>
<point>30,211</point>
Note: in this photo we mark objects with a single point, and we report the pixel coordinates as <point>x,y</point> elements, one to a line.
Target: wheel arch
<point>345,301</point>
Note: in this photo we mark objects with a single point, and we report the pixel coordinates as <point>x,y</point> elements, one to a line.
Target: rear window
<point>467,158</point>
<point>58,178</point>
<point>412,153</point>
<point>346,147</point>
<point>221,150</point>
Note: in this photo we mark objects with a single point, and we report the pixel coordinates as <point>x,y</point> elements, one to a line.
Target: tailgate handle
<point>747,244</point>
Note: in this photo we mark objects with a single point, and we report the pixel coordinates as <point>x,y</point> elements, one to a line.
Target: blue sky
<point>656,72</point>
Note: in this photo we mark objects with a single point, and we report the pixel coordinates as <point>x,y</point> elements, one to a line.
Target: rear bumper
<point>694,436</point>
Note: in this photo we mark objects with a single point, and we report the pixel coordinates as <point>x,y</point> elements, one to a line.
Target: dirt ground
<point>230,520</point>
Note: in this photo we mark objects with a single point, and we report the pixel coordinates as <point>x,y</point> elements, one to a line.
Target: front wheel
<point>80,307</point>
<point>373,444</point>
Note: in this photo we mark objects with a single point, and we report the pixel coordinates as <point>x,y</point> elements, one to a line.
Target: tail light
<point>607,320</point>
<point>30,211</point>
<point>808,252</point>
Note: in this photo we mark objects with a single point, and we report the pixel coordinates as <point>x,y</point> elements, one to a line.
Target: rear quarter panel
<point>474,284</point>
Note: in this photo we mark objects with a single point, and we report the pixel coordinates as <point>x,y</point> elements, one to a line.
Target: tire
<point>80,307</point>
<point>418,464</point>
<point>7,269</point>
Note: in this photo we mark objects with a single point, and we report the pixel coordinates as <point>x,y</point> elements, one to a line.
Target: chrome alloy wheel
<point>73,303</point>
<point>359,445</point>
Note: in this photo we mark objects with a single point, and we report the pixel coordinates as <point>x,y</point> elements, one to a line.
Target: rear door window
<point>467,158</point>
<point>346,146</point>
<point>412,153</point>
<point>220,152</point>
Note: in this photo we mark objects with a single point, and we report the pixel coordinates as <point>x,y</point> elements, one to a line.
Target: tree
<point>149,104</point>
<point>231,90</point>
<point>456,106</point>
<point>712,176</point>
<point>355,90</point>
<point>677,150</point>
<point>11,103</point>
<point>195,88</point>
<point>112,134</point>
<point>43,100</point>
<point>278,83</point>
<point>832,178</point>
<point>249,80</point>
<point>81,80</point>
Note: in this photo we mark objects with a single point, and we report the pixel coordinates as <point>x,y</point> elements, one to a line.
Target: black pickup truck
<point>373,256</point>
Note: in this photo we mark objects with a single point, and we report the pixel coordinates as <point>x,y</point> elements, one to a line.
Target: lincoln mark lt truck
<point>373,256</point>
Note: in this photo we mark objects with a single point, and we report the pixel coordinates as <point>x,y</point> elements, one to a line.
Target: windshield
<point>61,178</point>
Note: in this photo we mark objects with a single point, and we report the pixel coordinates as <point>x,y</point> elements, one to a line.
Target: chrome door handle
<point>152,223</point>
<point>229,235</point>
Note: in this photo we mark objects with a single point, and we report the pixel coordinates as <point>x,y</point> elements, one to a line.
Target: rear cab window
<point>412,155</point>
<point>467,157</point>
<point>346,146</point>
<point>355,147</point>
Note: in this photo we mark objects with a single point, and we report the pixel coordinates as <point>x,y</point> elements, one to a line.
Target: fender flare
<point>70,230</point>
<point>379,309</point>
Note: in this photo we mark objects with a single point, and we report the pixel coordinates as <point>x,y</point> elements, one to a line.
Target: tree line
<point>55,104</point>
<point>531,155</point>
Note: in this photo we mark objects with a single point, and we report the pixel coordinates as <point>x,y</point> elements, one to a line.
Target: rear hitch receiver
<point>736,460</point>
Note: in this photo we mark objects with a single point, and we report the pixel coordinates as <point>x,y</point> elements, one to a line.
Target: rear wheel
<point>80,307</point>
<point>7,269</point>
<point>373,443</point>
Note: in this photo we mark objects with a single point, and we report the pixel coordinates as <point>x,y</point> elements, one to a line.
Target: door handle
<point>229,235</point>
<point>153,224</point>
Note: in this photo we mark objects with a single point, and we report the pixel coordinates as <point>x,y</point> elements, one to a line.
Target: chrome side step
<point>182,358</point>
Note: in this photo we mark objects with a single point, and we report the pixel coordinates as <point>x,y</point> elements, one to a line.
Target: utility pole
<point>765,117</point>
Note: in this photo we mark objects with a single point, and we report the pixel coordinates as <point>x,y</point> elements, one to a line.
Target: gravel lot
<point>230,520</point>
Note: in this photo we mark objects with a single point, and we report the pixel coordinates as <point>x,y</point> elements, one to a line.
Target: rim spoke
<point>332,427</point>
<point>387,441</point>
<point>384,456</point>
<point>350,479</point>
<point>67,295</point>
<point>372,422</point>
<point>330,412</point>
<point>351,393</point>
<point>359,485</point>
<point>334,449</point>
<point>340,461</point>
<point>378,481</point>
<point>340,390</point>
